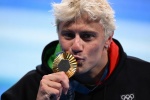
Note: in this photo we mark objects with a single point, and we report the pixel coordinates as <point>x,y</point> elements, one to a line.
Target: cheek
<point>95,50</point>
<point>64,45</point>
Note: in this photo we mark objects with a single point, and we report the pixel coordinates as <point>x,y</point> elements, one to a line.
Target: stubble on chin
<point>79,64</point>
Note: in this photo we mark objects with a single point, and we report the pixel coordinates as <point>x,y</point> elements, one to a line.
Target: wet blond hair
<point>99,10</point>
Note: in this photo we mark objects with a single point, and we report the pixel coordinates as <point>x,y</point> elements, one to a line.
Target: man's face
<point>85,40</point>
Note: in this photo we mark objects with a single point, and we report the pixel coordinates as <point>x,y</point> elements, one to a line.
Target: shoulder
<point>25,89</point>
<point>32,75</point>
<point>137,67</point>
<point>133,61</point>
<point>36,74</point>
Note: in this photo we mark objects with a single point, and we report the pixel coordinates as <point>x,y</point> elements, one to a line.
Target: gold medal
<point>65,62</point>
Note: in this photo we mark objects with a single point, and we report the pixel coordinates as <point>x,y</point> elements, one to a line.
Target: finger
<point>56,97</point>
<point>52,84</point>
<point>55,94</point>
<point>64,80</point>
<point>50,91</point>
<point>59,77</point>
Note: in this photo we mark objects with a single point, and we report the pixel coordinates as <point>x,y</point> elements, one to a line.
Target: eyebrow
<point>81,32</point>
<point>87,31</point>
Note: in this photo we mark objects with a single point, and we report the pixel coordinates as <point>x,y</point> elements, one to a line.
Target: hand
<point>52,86</point>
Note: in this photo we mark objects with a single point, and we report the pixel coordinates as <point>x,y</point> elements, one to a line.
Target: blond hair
<point>100,10</point>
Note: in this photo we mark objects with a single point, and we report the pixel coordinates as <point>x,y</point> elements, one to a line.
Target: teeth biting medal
<point>65,62</point>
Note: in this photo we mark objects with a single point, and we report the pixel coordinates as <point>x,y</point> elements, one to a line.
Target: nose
<point>77,45</point>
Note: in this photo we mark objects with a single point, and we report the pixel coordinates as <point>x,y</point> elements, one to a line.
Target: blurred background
<point>26,26</point>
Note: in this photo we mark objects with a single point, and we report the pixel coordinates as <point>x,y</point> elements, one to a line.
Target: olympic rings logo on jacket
<point>127,97</point>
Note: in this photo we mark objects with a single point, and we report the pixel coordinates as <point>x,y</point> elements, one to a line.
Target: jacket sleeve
<point>25,89</point>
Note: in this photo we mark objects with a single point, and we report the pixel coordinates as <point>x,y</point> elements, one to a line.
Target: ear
<point>109,40</point>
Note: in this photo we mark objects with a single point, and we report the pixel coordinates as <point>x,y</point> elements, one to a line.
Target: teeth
<point>72,64</point>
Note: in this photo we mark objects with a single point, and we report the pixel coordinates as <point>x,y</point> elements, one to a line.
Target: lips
<point>79,59</point>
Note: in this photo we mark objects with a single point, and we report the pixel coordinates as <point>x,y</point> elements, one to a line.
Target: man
<point>104,71</point>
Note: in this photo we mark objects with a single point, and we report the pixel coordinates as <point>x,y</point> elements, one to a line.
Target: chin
<point>80,71</point>
<point>80,64</point>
